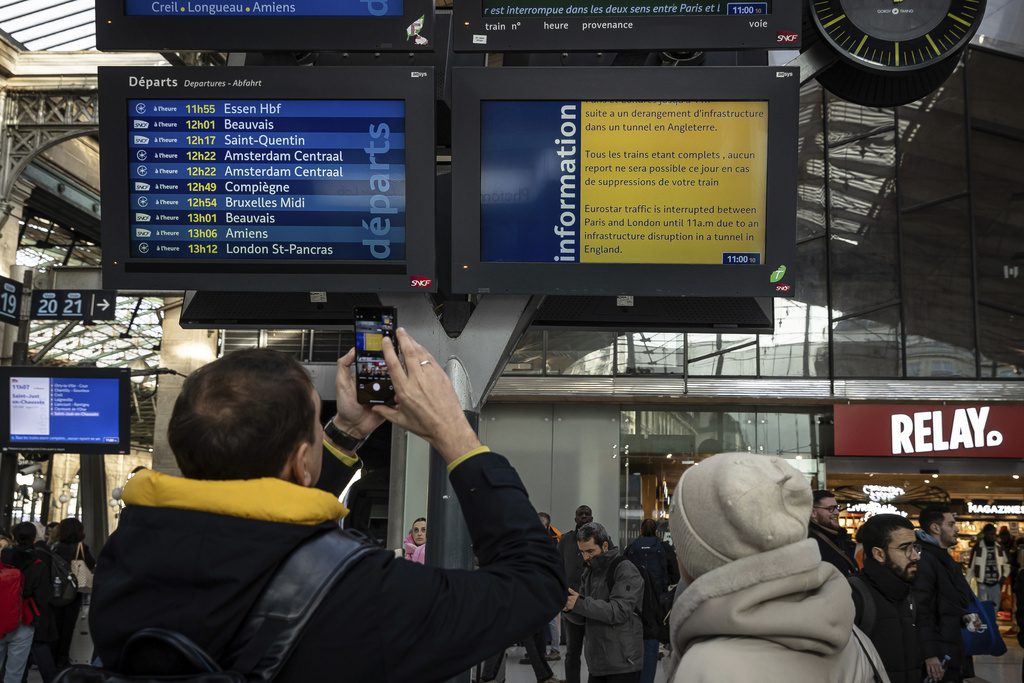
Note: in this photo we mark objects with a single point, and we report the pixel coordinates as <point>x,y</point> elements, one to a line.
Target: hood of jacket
<point>191,555</point>
<point>787,596</point>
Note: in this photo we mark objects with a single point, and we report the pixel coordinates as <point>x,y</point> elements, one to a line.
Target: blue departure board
<point>251,8</point>
<point>248,179</point>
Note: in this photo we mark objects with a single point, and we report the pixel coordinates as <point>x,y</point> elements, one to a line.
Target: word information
<point>621,8</point>
<point>249,8</point>
<point>64,410</point>
<point>267,179</point>
<point>624,182</point>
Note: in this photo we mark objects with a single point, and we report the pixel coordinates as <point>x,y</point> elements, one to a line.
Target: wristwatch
<point>341,440</point>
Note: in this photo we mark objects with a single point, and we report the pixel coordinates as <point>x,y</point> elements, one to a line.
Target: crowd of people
<point>761,583</point>
<point>32,554</point>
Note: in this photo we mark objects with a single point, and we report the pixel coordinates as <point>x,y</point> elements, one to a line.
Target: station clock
<point>891,52</point>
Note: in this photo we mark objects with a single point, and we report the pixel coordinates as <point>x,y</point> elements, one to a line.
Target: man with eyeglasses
<point>885,606</point>
<point>833,540</point>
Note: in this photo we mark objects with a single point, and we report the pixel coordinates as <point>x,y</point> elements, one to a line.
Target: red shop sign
<point>984,431</point>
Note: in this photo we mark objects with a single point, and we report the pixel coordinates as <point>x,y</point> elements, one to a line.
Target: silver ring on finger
<point>424,362</point>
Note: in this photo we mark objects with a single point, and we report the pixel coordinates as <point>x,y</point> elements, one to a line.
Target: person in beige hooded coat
<point>760,604</point>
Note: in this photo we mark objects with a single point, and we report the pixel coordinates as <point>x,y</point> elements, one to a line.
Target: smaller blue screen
<point>64,410</point>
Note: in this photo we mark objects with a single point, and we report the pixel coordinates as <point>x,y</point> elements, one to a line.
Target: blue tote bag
<point>988,643</point>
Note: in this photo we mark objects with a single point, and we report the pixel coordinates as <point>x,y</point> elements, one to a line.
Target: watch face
<point>897,35</point>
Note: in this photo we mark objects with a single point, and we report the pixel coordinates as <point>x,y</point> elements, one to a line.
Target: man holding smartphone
<point>192,554</point>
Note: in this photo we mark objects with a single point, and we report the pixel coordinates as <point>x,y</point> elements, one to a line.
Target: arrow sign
<point>10,300</point>
<point>74,304</point>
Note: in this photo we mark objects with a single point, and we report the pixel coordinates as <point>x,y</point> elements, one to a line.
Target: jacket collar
<point>925,537</point>
<point>267,499</point>
<point>888,584</point>
<point>835,533</point>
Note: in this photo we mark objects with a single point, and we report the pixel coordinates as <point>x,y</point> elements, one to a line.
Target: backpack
<point>12,584</point>
<point>654,559</point>
<point>654,607</point>
<point>265,640</point>
<point>868,612</point>
<point>62,580</point>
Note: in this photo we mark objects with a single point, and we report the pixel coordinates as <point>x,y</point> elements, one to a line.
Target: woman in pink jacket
<point>416,541</point>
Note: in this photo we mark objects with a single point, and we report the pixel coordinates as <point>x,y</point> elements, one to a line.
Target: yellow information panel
<point>673,182</point>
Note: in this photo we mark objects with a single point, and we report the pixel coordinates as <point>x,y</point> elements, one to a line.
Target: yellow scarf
<point>267,499</point>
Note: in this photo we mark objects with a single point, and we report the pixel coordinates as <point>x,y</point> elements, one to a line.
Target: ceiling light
<point>986,488</point>
<point>1016,476</point>
<point>669,456</point>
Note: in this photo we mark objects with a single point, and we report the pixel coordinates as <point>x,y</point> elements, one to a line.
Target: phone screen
<point>373,383</point>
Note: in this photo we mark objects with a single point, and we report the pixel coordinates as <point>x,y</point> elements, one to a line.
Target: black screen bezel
<point>649,33</point>
<point>373,313</point>
<point>115,30</point>
<point>413,85</point>
<point>122,375</point>
<point>778,86</point>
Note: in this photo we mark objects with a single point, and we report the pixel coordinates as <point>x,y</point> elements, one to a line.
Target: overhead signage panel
<point>10,301</point>
<point>74,304</point>
<point>932,431</point>
<point>588,25</point>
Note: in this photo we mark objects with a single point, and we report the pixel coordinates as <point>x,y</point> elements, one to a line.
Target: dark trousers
<point>633,677</point>
<point>66,617</point>
<point>573,650</point>
<point>534,652</point>
<point>42,655</point>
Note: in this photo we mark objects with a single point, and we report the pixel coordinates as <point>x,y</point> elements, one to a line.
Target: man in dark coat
<point>833,540</point>
<point>572,561</point>
<point>942,597</point>
<point>885,608</point>
<point>246,433</point>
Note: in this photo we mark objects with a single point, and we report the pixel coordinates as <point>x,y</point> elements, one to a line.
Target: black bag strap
<point>275,623</point>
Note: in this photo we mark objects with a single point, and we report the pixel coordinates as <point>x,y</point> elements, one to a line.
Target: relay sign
<point>267,179</point>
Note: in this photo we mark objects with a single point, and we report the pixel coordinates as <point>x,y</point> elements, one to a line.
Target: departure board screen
<point>251,8</point>
<point>267,179</point>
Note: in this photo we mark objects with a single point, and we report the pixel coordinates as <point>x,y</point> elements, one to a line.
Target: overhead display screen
<point>588,194</point>
<point>247,185</point>
<point>577,25</point>
<point>624,182</point>
<point>261,25</point>
<point>66,409</point>
<point>249,8</point>
<point>267,179</point>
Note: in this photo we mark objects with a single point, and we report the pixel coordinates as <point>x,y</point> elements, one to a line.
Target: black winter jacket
<point>34,564</point>
<point>572,559</point>
<point>941,595</point>
<point>836,548</point>
<point>387,620</point>
<point>893,631</point>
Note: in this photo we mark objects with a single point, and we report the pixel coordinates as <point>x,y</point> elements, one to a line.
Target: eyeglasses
<point>830,508</point>
<point>909,549</point>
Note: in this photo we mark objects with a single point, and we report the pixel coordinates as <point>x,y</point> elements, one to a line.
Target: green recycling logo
<point>778,274</point>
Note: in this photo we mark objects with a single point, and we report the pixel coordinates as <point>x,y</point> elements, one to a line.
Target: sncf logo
<point>783,288</point>
<point>420,282</point>
<point>787,37</point>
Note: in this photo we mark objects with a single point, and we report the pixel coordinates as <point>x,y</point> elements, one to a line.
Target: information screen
<point>69,409</point>
<point>614,25</point>
<point>617,8</point>
<point>267,179</point>
<point>623,182</point>
<point>592,181</point>
<point>250,8</point>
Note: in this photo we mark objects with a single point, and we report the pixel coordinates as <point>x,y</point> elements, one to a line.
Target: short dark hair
<point>545,516</point>
<point>24,533</point>
<point>822,494</point>
<point>594,531</point>
<point>241,416</point>
<point>648,527</point>
<point>932,514</point>
<point>71,531</point>
<point>877,532</point>
<point>988,527</point>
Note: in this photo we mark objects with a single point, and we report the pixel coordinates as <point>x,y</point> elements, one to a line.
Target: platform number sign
<point>10,300</point>
<point>73,304</point>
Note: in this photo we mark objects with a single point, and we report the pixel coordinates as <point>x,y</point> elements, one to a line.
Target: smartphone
<point>372,325</point>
